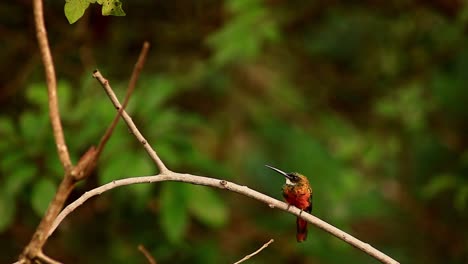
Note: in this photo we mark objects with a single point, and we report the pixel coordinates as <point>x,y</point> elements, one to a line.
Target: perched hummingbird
<point>297,192</point>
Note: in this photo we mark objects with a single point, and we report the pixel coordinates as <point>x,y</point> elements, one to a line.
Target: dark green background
<point>367,98</point>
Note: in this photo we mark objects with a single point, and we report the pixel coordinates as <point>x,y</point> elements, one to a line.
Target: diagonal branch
<point>256,252</point>
<point>88,161</point>
<point>129,121</point>
<point>148,256</point>
<point>131,87</point>
<point>51,80</point>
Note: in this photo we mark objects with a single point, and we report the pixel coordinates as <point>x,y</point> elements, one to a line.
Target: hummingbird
<point>297,192</point>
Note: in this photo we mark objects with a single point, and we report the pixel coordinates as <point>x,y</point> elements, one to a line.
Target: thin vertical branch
<point>34,248</point>
<point>51,81</point>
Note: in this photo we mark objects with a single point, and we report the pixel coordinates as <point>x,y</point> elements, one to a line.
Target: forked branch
<point>131,87</point>
<point>128,120</point>
<point>72,174</point>
<point>167,175</point>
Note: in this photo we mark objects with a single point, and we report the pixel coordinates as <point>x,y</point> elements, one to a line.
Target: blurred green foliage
<point>251,27</point>
<point>366,99</point>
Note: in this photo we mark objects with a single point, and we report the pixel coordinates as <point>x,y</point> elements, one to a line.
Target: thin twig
<point>54,112</point>
<point>89,160</point>
<point>256,252</point>
<point>131,87</point>
<point>45,259</point>
<point>148,256</point>
<point>105,84</point>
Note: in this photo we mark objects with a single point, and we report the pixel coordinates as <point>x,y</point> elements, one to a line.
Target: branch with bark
<point>168,175</point>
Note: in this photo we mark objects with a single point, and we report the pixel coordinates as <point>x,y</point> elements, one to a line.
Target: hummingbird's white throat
<point>289,182</point>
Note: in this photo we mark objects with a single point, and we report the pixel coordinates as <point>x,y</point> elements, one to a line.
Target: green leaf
<point>54,167</point>
<point>12,161</point>
<point>114,169</point>
<point>461,198</point>
<point>231,43</point>
<point>239,6</point>
<point>206,206</point>
<point>140,195</point>
<point>141,165</point>
<point>74,9</point>
<point>207,251</point>
<point>7,211</point>
<point>174,216</point>
<point>37,94</point>
<point>6,127</point>
<point>18,178</point>
<point>112,8</point>
<point>438,184</point>
<point>163,88</point>
<point>42,193</point>
<point>170,155</point>
<point>34,129</point>
<point>64,90</point>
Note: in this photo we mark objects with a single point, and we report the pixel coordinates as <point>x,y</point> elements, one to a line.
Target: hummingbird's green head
<point>292,178</point>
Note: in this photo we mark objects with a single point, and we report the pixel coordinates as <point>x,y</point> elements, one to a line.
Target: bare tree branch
<point>129,121</point>
<point>256,252</point>
<point>230,186</point>
<point>131,87</point>
<point>148,256</point>
<point>45,259</point>
<point>34,248</point>
<point>166,174</point>
<point>46,56</point>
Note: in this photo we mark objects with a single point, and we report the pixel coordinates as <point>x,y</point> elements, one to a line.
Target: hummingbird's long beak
<point>279,171</point>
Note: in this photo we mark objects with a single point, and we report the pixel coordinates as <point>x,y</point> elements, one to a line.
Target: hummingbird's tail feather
<point>301,234</point>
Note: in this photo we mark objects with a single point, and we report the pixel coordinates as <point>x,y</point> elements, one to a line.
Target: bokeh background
<point>367,98</point>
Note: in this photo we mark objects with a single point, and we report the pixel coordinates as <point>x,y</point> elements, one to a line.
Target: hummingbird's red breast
<point>297,192</point>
